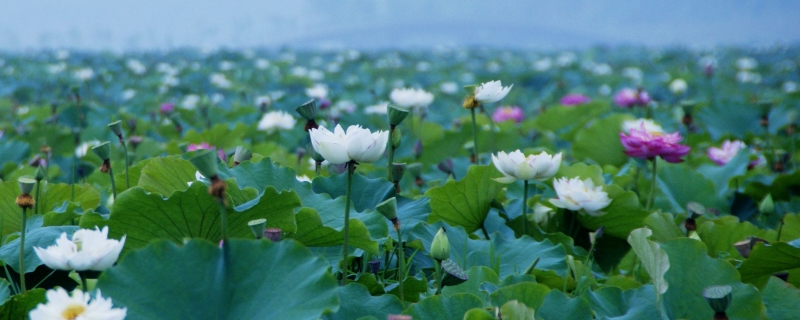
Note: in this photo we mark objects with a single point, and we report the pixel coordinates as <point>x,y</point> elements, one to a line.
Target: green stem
<point>485,233</point>
<point>14,286</point>
<point>780,229</point>
<point>652,186</point>
<point>74,159</point>
<point>438,266</point>
<point>113,184</point>
<point>391,154</point>
<point>127,163</point>
<point>223,217</point>
<point>36,205</point>
<point>525,209</point>
<point>22,251</point>
<point>84,285</point>
<point>351,168</point>
<point>590,255</point>
<point>401,260</point>
<point>475,138</point>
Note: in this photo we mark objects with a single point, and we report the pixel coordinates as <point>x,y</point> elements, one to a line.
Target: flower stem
<point>401,265</point>
<point>36,205</point>
<point>113,184</point>
<point>475,138</point>
<point>438,266</point>
<point>652,186</point>
<point>22,287</point>
<point>351,168</point>
<point>391,153</point>
<point>84,286</point>
<point>525,209</point>
<point>223,217</point>
<point>485,233</point>
<point>127,163</point>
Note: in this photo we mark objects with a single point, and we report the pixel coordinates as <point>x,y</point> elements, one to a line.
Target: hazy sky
<point>165,24</point>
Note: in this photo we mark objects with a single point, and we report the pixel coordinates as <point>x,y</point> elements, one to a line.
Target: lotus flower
<point>166,108</point>
<point>274,120</point>
<point>204,145</point>
<point>722,156</point>
<point>491,91</point>
<point>508,113</point>
<point>575,194</point>
<point>61,306</point>
<point>88,250</point>
<point>515,166</point>
<point>574,99</point>
<point>357,144</point>
<point>649,145</point>
<point>627,98</point>
<point>318,91</point>
<point>678,86</point>
<point>411,98</point>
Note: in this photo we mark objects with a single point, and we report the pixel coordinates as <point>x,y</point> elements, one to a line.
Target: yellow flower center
<point>656,133</point>
<point>73,311</point>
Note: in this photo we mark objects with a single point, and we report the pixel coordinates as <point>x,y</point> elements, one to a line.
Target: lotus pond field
<point>605,183</point>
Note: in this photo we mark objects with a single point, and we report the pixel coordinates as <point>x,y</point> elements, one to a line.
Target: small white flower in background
<point>448,87</point>
<point>516,165</point>
<point>136,66</point>
<point>220,81</point>
<point>633,73</point>
<point>226,65</point>
<point>21,111</point>
<point>262,64</point>
<point>274,120</point>
<point>263,100</point>
<point>543,64</point>
<point>128,94</point>
<point>575,194</point>
<point>357,144</point>
<point>303,178</point>
<point>170,80</point>
<point>566,59</point>
<point>423,66</point>
<point>56,68</point>
<point>190,102</point>
<point>411,98</point>
<point>62,54</point>
<point>79,306</point>
<point>84,147</point>
<point>333,67</point>
<point>318,91</point>
<point>602,69</point>
<point>88,250</point>
<point>316,75</point>
<point>678,86</point>
<point>649,126</point>
<point>748,77</point>
<point>492,91</point>
<point>380,108</point>
<point>746,63</point>
<point>299,72</point>
<point>166,68</point>
<point>789,87</point>
<point>84,74</point>
<point>217,98</point>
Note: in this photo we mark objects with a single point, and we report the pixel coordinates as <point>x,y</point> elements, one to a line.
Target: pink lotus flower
<point>167,108</point>
<point>574,99</point>
<point>508,113</point>
<point>628,97</point>
<point>204,145</point>
<point>722,156</point>
<point>649,145</point>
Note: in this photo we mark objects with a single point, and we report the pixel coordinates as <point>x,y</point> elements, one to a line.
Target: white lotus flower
<point>516,165</point>
<point>491,91</point>
<point>789,87</point>
<point>649,126</point>
<point>448,87</point>
<point>575,194</point>
<point>76,307</point>
<point>678,86</point>
<point>542,214</point>
<point>357,144</point>
<point>220,80</point>
<point>189,102</point>
<point>88,250</point>
<point>136,66</point>
<point>746,63</point>
<point>411,98</point>
<point>318,91</point>
<point>380,108</point>
<point>84,74</point>
<point>274,120</point>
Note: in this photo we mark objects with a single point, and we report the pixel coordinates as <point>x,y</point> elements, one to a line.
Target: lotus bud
<point>718,298</point>
<point>398,169</point>
<point>40,173</point>
<point>116,128</point>
<point>135,141</point>
<point>596,235</point>
<point>132,124</point>
<point>446,166</point>
<point>396,137</point>
<point>396,114</point>
<point>273,234</point>
<point>375,266</point>
<point>767,205</point>
<point>388,209</point>
<point>258,226</point>
<point>440,246</point>
<point>24,200</point>
<point>241,154</point>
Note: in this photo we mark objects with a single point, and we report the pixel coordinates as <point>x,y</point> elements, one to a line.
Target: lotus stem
<point>74,159</point>
<point>525,208</point>
<point>23,289</point>
<point>391,153</point>
<point>652,186</point>
<point>223,217</point>
<point>113,184</point>
<point>485,233</point>
<point>84,285</point>
<point>127,163</point>
<point>351,168</point>
<point>475,138</point>
<point>36,205</point>
<point>438,266</point>
<point>401,265</point>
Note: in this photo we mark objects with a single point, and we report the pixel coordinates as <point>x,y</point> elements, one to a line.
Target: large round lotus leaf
<point>165,175</point>
<point>768,259</point>
<point>722,233</point>
<point>781,299</point>
<point>600,141</point>
<point>558,305</point>
<point>20,305</point>
<point>440,307</point>
<point>40,237</point>
<point>52,195</point>
<point>623,214</point>
<point>358,303</point>
<point>252,280</point>
<point>678,184</point>
<point>366,193</point>
<point>466,202</point>
<point>692,270</point>
<point>529,293</point>
<point>613,303</point>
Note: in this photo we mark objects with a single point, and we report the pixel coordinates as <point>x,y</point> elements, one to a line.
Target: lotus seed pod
<point>396,114</point>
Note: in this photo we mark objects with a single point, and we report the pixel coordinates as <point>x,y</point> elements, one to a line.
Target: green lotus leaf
<point>20,305</point>
<point>614,303</point>
<point>441,307</point>
<point>781,299</point>
<point>311,232</point>
<point>722,175</point>
<point>600,141</point>
<point>254,279</point>
<point>40,237</point>
<point>466,202</point>
<point>678,184</point>
<point>663,226</point>
<point>558,305</point>
<point>515,310</point>
<point>52,195</point>
<point>623,214</point>
<point>722,233</point>
<point>476,276</point>
<point>768,259</point>
<point>529,293</point>
<point>166,175</point>
<point>653,259</point>
<point>356,302</point>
